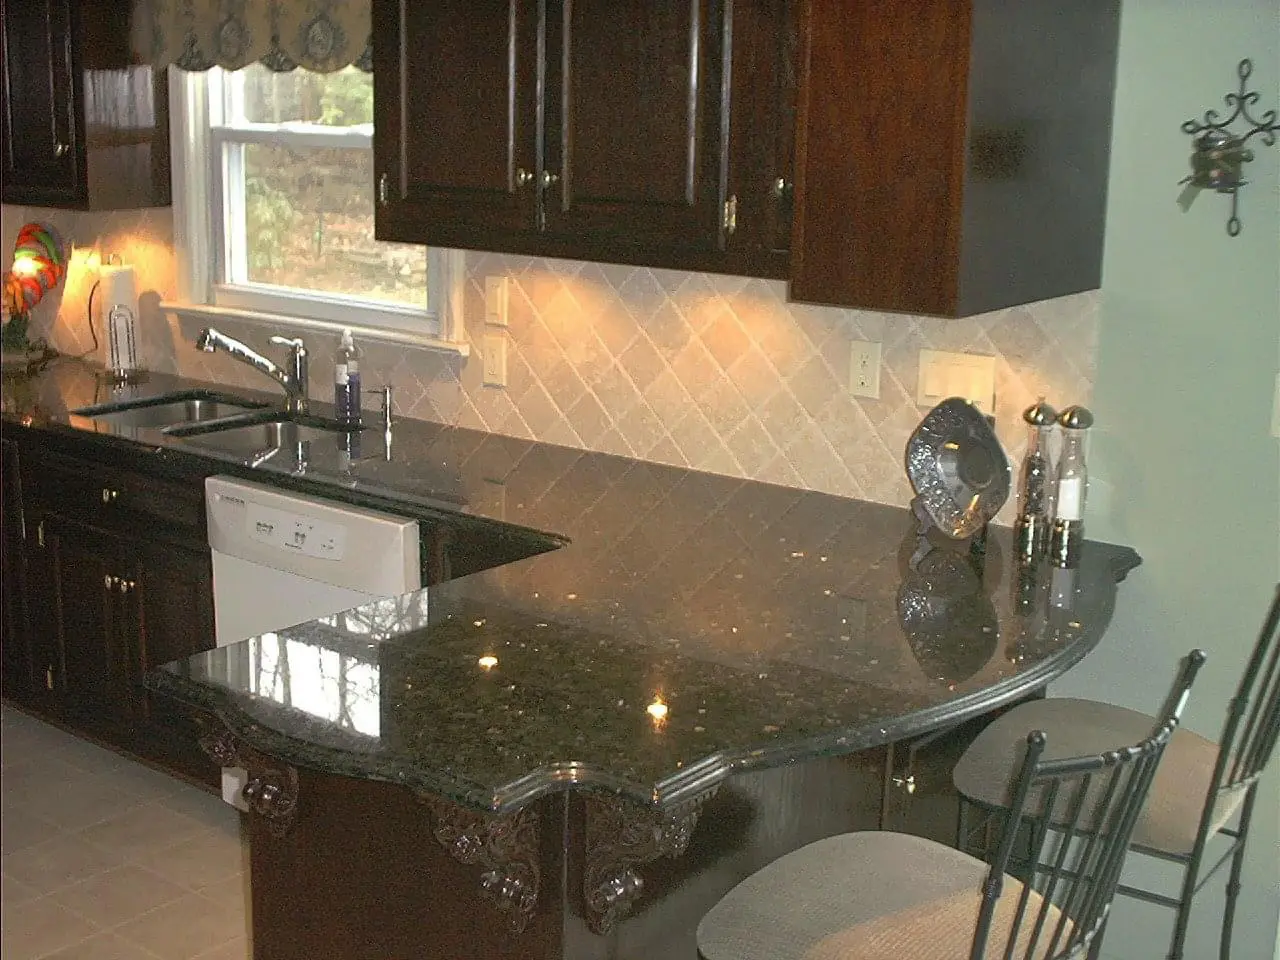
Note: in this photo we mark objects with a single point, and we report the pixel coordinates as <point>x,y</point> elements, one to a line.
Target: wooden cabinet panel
<point>15,665</point>
<point>84,126</point>
<point>39,103</point>
<point>95,613</point>
<point>639,117</point>
<point>176,605</point>
<point>455,91</point>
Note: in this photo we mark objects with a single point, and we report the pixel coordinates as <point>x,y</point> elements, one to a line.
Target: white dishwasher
<point>281,558</point>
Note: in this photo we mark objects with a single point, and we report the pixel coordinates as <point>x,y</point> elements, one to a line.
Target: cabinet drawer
<point>111,498</point>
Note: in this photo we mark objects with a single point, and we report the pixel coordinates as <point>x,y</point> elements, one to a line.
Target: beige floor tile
<point>118,895</point>
<point>103,946</point>
<point>21,828</point>
<point>198,861</point>
<point>234,892</point>
<point>79,803</point>
<point>58,863</point>
<point>41,927</point>
<point>14,892</point>
<point>205,807</point>
<point>142,781</point>
<point>184,928</point>
<point>90,757</point>
<point>233,950</point>
<point>142,830</point>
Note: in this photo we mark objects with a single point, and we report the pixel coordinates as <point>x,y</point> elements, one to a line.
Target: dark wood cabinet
<point>925,156</point>
<point>15,663</point>
<point>578,128</point>
<point>636,115</point>
<point>83,125</point>
<point>952,157</point>
<point>115,580</point>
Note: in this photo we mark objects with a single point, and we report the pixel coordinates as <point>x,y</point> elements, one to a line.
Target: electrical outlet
<point>496,301</point>
<point>864,369</point>
<point>968,375</point>
<point>495,360</point>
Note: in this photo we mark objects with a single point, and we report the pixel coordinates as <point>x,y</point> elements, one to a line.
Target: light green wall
<point>1187,470</point>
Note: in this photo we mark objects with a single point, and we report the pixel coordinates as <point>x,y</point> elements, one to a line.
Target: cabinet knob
<point>108,581</point>
<point>781,187</point>
<point>523,177</point>
<point>384,191</point>
<point>108,495</point>
<point>60,149</point>
<point>549,178</point>
<point>127,585</point>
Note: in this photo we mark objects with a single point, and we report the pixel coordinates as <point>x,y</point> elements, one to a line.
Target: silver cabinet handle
<point>549,178</point>
<point>523,177</point>
<point>108,581</point>
<point>60,149</point>
<point>384,191</point>
<point>108,495</point>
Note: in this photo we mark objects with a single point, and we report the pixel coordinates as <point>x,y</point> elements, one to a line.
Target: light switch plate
<point>968,375</point>
<point>496,301</point>
<point>495,360</point>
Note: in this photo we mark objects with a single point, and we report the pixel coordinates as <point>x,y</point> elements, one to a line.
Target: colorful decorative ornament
<point>38,265</point>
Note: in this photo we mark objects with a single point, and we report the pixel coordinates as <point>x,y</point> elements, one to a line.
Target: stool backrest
<point>1080,813</point>
<point>1253,718</point>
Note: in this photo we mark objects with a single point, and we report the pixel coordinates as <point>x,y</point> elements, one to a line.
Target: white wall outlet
<point>496,300</point>
<point>968,375</point>
<point>864,369</point>
<point>495,360</point>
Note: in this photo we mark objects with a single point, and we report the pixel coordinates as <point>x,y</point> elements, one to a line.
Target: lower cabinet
<point>15,665</point>
<point>105,588</point>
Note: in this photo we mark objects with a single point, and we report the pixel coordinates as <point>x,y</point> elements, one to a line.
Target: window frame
<point>203,251</point>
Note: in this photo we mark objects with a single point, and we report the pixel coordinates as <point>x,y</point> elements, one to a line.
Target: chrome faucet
<point>293,380</point>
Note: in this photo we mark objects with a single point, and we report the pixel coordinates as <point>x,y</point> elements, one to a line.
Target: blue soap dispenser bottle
<point>346,380</point>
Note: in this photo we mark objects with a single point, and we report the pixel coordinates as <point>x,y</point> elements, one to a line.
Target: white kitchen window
<point>274,203</point>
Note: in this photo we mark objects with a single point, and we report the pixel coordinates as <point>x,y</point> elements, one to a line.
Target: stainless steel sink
<point>167,410</point>
<point>256,437</point>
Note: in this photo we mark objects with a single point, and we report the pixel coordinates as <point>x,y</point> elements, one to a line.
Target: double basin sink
<point>218,421</point>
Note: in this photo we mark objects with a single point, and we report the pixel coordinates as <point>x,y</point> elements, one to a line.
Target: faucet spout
<point>293,381</point>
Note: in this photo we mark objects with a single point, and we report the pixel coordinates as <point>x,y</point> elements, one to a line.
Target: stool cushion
<point>864,896</point>
<point>1171,816</point>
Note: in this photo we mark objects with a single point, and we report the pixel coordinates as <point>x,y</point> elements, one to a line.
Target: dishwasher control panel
<point>296,533</point>
<point>304,536</point>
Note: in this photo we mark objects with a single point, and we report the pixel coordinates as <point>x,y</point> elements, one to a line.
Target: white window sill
<point>204,312</point>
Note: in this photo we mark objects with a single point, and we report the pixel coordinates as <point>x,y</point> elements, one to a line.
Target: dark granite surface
<point>772,624</point>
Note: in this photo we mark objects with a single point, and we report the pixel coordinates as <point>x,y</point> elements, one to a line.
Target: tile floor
<point>105,859</point>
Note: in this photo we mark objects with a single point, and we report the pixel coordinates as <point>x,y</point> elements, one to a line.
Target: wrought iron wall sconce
<point>1219,154</point>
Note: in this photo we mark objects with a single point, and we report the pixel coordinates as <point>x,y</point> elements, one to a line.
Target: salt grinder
<point>1073,480</point>
<point>1031,529</point>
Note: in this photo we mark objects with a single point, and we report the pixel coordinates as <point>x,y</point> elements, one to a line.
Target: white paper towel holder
<point>120,328</point>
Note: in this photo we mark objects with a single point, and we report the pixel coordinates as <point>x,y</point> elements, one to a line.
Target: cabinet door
<point>176,605</point>
<point>41,162</point>
<point>15,667</point>
<point>637,121</point>
<point>94,588</point>
<point>455,87</point>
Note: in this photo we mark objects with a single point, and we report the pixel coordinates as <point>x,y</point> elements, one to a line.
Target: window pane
<point>309,224</point>
<point>340,99</point>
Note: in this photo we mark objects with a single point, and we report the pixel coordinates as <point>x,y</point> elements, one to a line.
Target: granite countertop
<point>680,626</point>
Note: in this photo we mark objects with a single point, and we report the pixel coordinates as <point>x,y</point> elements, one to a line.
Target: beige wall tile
<point>617,358</point>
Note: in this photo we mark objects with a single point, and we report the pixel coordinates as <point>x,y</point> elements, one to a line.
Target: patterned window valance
<point>319,35</point>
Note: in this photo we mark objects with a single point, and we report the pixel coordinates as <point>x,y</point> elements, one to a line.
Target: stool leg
<point>1233,882</point>
<point>1182,918</point>
<point>962,836</point>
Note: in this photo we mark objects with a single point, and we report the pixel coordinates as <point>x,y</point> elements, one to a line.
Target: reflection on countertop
<point>691,626</point>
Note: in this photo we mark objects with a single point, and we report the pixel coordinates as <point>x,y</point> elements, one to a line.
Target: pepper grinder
<point>1031,529</point>
<point>1073,482</point>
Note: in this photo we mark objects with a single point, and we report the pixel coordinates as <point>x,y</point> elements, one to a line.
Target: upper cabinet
<point>940,157</point>
<point>594,129</point>
<point>83,126</point>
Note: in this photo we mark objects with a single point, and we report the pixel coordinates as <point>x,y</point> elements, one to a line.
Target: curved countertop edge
<point>687,785</point>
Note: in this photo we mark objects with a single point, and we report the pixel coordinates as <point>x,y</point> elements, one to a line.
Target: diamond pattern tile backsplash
<point>716,373</point>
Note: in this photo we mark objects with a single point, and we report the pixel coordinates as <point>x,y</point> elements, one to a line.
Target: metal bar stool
<point>890,896</point>
<point>1200,787</point>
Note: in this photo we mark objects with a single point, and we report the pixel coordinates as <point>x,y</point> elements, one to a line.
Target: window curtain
<point>319,35</point>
